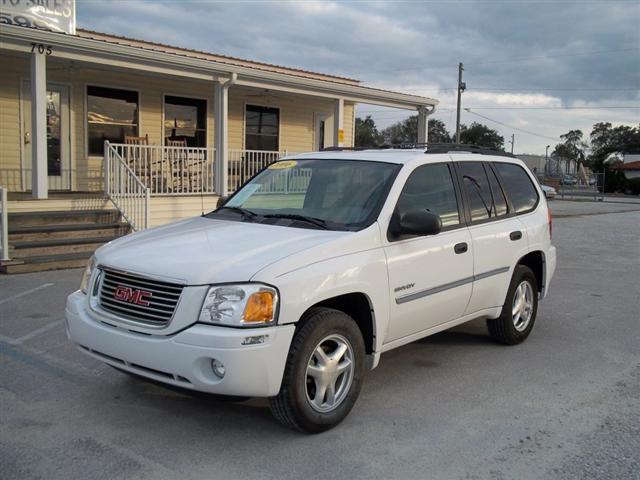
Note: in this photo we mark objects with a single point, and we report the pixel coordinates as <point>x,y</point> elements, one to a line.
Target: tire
<point>301,404</point>
<point>510,328</point>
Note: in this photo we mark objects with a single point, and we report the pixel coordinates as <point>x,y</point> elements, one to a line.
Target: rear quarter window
<point>518,185</point>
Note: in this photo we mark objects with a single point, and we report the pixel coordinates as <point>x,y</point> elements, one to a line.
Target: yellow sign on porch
<point>283,165</point>
<point>341,135</point>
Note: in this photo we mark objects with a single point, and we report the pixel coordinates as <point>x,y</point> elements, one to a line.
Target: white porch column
<point>221,109</point>
<point>221,114</point>
<point>423,125</point>
<point>39,175</point>
<point>338,123</point>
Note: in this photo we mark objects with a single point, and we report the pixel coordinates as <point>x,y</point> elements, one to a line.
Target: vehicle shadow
<point>185,409</point>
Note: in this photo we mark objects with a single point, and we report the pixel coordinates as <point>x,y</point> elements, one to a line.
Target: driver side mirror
<point>415,222</point>
<point>222,201</point>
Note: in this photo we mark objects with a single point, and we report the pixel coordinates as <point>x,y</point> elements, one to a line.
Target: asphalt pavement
<point>563,405</point>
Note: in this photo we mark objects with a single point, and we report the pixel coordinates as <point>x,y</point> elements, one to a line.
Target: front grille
<point>138,298</point>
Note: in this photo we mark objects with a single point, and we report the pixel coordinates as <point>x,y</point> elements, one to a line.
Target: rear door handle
<point>460,247</point>
<point>517,235</point>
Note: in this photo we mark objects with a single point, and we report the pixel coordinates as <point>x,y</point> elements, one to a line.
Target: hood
<point>202,250</point>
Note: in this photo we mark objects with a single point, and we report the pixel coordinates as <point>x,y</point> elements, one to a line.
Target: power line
<point>512,127</point>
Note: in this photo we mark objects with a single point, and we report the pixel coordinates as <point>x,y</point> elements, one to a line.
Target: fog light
<point>218,368</point>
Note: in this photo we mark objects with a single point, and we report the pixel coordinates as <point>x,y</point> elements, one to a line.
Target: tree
<point>605,140</point>
<point>572,148</point>
<point>438,132</point>
<point>482,136</point>
<point>367,134</point>
<point>406,131</point>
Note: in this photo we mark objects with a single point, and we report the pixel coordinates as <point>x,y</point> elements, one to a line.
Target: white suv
<point>296,285</point>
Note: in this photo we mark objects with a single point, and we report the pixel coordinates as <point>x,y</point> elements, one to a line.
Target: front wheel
<point>519,310</point>
<point>323,374</point>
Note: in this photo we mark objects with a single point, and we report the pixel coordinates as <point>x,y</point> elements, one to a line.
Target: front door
<point>323,128</point>
<point>430,278</point>
<point>58,136</point>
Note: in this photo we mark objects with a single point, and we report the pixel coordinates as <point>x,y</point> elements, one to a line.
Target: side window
<point>499,202</point>
<point>477,189</point>
<point>518,185</point>
<point>431,187</point>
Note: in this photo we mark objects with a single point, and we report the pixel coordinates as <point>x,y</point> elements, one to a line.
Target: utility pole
<point>513,139</point>
<point>461,87</point>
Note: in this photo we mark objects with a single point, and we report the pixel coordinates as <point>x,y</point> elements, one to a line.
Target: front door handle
<point>460,248</point>
<point>517,235</point>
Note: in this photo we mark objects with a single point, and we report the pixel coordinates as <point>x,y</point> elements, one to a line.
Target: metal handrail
<point>170,170</point>
<point>4,228</point>
<point>126,191</point>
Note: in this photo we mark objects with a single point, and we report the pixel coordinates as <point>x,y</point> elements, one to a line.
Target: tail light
<point>550,218</point>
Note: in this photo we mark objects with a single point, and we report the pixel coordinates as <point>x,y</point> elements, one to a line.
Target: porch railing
<point>127,192</point>
<point>244,164</point>
<point>65,179</point>
<point>170,170</point>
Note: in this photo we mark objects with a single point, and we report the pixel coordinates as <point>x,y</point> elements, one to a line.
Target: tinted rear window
<point>518,185</point>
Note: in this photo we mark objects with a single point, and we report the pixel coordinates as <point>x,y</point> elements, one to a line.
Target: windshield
<point>323,194</point>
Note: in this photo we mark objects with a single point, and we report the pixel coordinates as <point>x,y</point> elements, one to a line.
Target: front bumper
<point>184,359</point>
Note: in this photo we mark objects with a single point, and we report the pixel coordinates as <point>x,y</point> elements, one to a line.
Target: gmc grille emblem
<point>129,295</point>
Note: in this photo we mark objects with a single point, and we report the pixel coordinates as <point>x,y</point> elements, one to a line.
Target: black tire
<point>293,405</point>
<point>503,329</point>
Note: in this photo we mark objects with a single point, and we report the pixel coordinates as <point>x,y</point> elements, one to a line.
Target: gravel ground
<point>563,405</point>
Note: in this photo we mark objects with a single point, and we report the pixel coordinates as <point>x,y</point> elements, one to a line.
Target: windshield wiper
<point>318,222</point>
<point>247,214</point>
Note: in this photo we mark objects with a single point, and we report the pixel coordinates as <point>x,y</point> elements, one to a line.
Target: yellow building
<point>93,121</point>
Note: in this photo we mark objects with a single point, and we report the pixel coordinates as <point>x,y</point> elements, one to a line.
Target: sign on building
<point>53,15</point>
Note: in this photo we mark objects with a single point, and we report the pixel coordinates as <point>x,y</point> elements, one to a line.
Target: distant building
<point>630,165</point>
<point>536,163</point>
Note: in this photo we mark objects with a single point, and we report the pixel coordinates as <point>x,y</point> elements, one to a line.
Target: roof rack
<point>430,148</point>
<point>461,147</point>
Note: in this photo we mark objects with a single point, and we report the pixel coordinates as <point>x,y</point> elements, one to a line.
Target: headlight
<point>242,305</point>
<point>86,275</point>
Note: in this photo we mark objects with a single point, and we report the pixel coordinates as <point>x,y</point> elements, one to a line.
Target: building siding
<point>296,111</point>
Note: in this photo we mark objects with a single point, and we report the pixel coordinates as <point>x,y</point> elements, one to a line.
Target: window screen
<point>431,187</point>
<point>477,189</point>
<point>518,185</point>
<point>111,114</point>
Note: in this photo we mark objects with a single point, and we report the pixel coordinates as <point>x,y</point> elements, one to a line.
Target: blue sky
<point>525,61</point>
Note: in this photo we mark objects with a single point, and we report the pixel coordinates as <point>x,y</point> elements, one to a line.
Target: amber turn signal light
<point>259,307</point>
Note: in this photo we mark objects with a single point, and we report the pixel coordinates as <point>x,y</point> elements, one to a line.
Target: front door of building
<point>58,136</point>
<point>323,131</point>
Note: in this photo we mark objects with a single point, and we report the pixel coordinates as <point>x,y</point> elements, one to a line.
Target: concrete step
<point>56,246</point>
<point>46,262</point>
<point>82,230</point>
<point>62,217</point>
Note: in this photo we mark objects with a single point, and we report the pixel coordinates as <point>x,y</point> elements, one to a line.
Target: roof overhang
<point>87,50</point>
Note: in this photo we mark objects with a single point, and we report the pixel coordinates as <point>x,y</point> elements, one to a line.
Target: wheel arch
<point>535,260</point>
<point>359,307</point>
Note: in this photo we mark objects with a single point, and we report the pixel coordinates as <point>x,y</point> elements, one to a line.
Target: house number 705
<point>41,48</point>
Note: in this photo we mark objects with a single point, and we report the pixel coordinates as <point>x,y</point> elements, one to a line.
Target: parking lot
<point>565,404</point>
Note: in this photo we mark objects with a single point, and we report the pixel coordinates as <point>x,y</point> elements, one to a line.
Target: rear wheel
<point>519,310</point>
<point>324,372</point>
